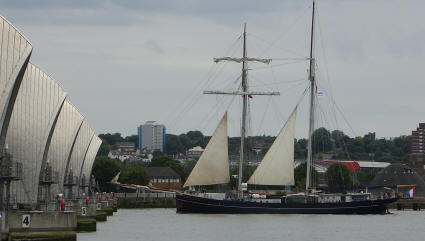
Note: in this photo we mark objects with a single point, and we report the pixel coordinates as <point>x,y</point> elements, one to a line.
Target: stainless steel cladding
<point>37,123</point>
<point>66,130</point>
<point>15,52</point>
<point>37,104</point>
<point>89,160</point>
<point>79,150</point>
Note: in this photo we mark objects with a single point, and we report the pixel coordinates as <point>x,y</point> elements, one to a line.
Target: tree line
<point>326,145</point>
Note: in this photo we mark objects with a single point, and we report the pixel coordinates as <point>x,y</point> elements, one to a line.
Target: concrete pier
<point>42,221</point>
<point>51,224</point>
<point>416,204</point>
<point>86,214</point>
<point>42,225</point>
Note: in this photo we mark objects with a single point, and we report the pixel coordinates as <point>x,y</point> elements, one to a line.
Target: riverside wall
<point>50,224</point>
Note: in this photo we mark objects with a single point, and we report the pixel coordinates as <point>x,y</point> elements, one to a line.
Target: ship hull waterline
<point>193,204</point>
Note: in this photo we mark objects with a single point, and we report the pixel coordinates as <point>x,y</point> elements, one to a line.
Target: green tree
<point>300,148</point>
<point>104,169</point>
<point>157,153</point>
<point>188,166</point>
<point>174,145</point>
<point>165,161</point>
<point>321,140</point>
<point>339,176</point>
<point>132,138</point>
<point>339,138</point>
<point>197,138</point>
<point>185,141</point>
<point>364,176</point>
<point>133,175</point>
<point>104,149</point>
<point>111,139</point>
<point>300,173</point>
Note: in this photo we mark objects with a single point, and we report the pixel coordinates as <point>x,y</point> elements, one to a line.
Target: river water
<point>166,225</point>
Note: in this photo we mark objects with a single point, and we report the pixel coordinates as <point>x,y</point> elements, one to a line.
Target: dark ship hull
<point>193,204</point>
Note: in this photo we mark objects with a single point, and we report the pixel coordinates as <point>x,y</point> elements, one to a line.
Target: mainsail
<point>277,166</point>
<point>213,165</point>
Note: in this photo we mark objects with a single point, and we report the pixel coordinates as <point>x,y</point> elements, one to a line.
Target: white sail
<point>213,165</point>
<point>277,166</point>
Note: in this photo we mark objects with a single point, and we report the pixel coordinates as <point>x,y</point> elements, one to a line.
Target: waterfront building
<point>417,151</point>
<point>371,136</point>
<point>163,177</point>
<point>195,152</point>
<point>401,177</point>
<point>151,136</point>
<point>126,147</point>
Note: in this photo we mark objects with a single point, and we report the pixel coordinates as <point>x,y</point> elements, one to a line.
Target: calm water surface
<point>165,224</point>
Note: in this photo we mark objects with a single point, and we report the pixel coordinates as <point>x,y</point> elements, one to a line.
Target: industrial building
<point>417,150</point>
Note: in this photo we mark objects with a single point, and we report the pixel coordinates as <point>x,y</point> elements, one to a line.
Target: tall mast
<point>245,103</point>
<point>244,93</point>
<point>311,77</point>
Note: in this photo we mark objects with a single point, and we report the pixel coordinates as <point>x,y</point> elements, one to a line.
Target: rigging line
<point>278,112</point>
<point>325,59</point>
<point>221,66</point>
<point>284,34</point>
<point>192,102</point>
<point>281,82</point>
<point>264,115</point>
<point>234,78</point>
<point>277,65</point>
<point>292,59</point>
<point>200,85</point>
<point>295,85</point>
<point>343,144</point>
<point>328,77</point>
<point>268,42</point>
<point>249,120</point>
<point>345,119</point>
<point>208,118</point>
<point>339,139</point>
<point>273,74</point>
<point>220,100</point>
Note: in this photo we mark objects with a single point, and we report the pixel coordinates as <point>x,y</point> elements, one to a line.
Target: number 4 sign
<point>26,221</point>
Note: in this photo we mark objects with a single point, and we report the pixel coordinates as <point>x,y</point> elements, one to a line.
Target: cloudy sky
<point>126,62</point>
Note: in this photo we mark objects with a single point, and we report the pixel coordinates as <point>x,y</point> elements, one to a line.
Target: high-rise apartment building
<point>151,136</point>
<point>417,152</point>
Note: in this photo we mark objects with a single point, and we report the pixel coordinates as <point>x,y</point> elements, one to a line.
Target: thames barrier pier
<point>47,150</point>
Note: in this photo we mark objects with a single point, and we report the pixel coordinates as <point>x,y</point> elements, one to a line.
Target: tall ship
<point>275,169</point>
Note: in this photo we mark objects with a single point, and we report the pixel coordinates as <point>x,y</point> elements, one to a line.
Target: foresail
<point>277,166</point>
<point>213,165</point>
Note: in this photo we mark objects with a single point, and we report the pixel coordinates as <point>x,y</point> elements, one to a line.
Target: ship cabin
<point>338,197</point>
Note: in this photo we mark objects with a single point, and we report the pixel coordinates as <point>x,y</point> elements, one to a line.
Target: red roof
<point>352,166</point>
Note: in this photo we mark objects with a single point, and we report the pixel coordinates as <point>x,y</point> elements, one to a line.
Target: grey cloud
<point>154,46</point>
<point>116,49</point>
<point>57,4</point>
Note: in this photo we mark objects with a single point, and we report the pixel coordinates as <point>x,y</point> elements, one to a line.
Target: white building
<point>152,136</point>
<point>195,152</point>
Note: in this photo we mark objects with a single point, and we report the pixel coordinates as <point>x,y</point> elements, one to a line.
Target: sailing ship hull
<point>193,204</point>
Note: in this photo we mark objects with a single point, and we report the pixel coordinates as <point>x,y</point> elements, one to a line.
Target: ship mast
<point>311,77</point>
<point>242,155</point>
<point>245,93</point>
